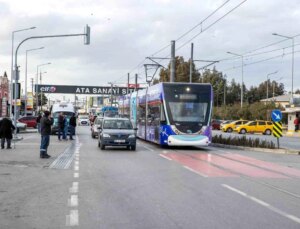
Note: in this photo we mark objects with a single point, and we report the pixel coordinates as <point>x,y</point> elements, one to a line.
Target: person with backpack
<point>296,123</point>
<point>46,123</point>
<point>61,126</point>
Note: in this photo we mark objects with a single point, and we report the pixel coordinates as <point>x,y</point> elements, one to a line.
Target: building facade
<point>4,95</point>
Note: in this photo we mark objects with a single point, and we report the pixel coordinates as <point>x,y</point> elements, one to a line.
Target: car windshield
<point>117,124</point>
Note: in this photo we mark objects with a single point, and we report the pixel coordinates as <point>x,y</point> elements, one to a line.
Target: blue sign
<point>276,115</point>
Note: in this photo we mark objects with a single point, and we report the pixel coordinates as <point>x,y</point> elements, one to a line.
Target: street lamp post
<point>268,82</point>
<point>37,80</point>
<point>242,86</point>
<point>41,91</point>
<point>293,52</point>
<point>29,50</point>
<point>12,66</point>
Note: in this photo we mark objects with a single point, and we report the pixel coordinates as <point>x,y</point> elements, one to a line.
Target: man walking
<point>46,123</point>
<point>61,126</point>
<point>6,128</point>
<point>72,126</point>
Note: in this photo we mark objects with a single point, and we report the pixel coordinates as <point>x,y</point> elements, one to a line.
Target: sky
<point>125,32</point>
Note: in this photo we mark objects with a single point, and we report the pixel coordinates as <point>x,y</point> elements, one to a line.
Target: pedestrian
<point>72,126</point>
<point>6,128</point>
<point>46,123</point>
<point>38,122</point>
<point>66,127</point>
<point>296,122</point>
<point>61,126</point>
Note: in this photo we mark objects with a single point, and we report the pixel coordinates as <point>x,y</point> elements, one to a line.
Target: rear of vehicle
<point>66,109</point>
<point>117,132</point>
<point>30,121</point>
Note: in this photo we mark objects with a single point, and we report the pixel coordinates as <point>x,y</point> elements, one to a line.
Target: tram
<point>174,114</point>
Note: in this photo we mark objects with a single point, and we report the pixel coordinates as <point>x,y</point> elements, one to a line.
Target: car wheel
<point>133,147</point>
<point>127,147</point>
<point>99,145</point>
<point>18,130</point>
<point>229,130</point>
<point>243,131</point>
<point>102,146</point>
<point>268,132</point>
<point>93,136</point>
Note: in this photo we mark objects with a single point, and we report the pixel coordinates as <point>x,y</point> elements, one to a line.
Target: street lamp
<point>268,82</point>
<point>37,80</point>
<point>292,38</point>
<point>41,91</point>
<point>12,64</point>
<point>242,86</point>
<point>28,50</point>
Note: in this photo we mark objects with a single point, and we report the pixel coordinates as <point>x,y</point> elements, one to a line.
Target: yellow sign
<point>277,129</point>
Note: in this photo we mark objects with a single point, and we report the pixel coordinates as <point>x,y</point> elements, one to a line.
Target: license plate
<point>120,141</point>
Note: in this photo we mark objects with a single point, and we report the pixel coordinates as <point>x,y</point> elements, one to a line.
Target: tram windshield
<point>188,103</point>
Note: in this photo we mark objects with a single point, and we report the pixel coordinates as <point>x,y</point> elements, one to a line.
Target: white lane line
<point>74,188</point>
<point>165,157</point>
<point>73,219</point>
<point>76,163</point>
<point>76,167</point>
<point>262,203</point>
<point>148,148</point>
<point>73,201</point>
<point>194,171</point>
<point>165,151</point>
<point>76,175</point>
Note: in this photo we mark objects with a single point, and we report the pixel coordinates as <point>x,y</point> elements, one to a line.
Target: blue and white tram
<point>174,114</point>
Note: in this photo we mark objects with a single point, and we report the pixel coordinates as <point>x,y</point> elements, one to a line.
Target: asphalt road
<point>285,142</point>
<point>84,187</point>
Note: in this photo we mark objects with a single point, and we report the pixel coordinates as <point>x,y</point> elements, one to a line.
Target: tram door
<point>153,122</point>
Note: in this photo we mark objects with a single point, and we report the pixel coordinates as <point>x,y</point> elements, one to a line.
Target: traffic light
<point>87,31</point>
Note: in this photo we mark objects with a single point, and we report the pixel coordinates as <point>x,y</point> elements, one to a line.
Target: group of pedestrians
<point>64,126</point>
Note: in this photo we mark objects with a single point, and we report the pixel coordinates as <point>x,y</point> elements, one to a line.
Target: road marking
<point>76,175</point>
<point>76,163</point>
<point>262,203</point>
<point>148,148</point>
<point>74,188</point>
<point>194,171</point>
<point>72,219</point>
<point>165,157</point>
<point>76,167</point>
<point>73,201</point>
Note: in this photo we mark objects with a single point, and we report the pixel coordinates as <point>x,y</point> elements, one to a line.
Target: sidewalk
<point>26,152</point>
<point>291,133</point>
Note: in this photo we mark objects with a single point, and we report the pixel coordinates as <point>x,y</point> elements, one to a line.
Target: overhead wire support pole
<point>191,61</point>
<point>173,62</point>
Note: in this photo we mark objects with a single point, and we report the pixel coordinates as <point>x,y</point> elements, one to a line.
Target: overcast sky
<point>124,32</point>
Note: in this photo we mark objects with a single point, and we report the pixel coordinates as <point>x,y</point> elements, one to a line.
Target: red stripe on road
<point>264,164</point>
<point>236,167</point>
<point>199,166</point>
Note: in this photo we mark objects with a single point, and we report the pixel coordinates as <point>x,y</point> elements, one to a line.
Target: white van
<point>67,109</point>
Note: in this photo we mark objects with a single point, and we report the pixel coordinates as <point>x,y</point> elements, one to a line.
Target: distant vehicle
<point>224,123</point>
<point>215,124</point>
<point>109,111</point>
<point>21,126</point>
<point>83,120</point>
<point>117,132</point>
<point>94,128</point>
<point>171,114</point>
<point>29,120</point>
<point>66,108</point>
<point>259,126</point>
<point>231,126</point>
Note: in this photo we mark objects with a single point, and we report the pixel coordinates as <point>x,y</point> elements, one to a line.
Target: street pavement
<point>82,186</point>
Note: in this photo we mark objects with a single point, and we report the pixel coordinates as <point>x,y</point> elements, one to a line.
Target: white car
<point>83,120</point>
<point>20,126</point>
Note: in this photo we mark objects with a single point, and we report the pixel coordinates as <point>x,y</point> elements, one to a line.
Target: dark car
<point>94,127</point>
<point>215,123</point>
<point>29,120</point>
<point>117,132</point>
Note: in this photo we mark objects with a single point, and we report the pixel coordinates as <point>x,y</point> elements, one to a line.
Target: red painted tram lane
<point>264,164</point>
<point>237,167</point>
<point>199,166</point>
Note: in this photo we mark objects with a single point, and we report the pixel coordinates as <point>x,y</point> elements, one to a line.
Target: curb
<point>264,150</point>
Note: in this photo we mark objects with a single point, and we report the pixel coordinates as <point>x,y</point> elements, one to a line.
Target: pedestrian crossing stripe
<point>277,129</point>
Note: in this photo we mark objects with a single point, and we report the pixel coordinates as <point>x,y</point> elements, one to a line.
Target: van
<point>67,109</point>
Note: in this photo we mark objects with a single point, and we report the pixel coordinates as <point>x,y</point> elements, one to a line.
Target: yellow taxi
<point>229,127</point>
<point>258,126</point>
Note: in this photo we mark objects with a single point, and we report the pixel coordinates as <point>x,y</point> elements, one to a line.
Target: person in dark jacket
<point>72,126</point>
<point>61,126</point>
<point>46,123</point>
<point>6,128</point>
<point>38,122</point>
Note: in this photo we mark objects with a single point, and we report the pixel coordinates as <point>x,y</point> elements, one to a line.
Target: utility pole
<point>225,86</point>
<point>111,95</point>
<point>32,85</point>
<point>191,61</point>
<point>173,62</point>
<point>128,78</point>
<point>136,79</point>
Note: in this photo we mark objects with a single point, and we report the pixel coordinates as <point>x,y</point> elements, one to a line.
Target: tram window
<point>141,113</point>
<point>153,115</point>
<point>162,114</point>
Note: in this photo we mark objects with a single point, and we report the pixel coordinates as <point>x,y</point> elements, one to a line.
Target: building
<point>4,95</point>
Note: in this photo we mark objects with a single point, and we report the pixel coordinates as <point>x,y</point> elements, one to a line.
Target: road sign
<point>276,115</point>
<point>277,129</point>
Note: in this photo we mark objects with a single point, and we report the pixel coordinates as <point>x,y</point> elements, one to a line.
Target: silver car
<point>94,128</point>
<point>117,132</point>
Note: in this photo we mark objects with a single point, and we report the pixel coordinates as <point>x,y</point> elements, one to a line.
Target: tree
<point>44,100</point>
